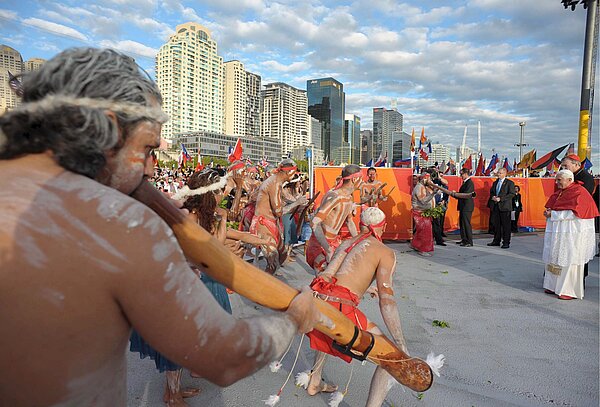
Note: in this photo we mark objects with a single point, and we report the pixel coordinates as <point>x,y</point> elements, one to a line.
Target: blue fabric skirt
<point>138,344</point>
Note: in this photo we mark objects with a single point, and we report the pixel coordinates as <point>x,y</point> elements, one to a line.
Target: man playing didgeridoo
<point>266,222</point>
<point>356,263</point>
<point>81,262</point>
<point>336,210</point>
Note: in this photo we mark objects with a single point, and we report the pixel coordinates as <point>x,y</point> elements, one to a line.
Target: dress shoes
<point>505,246</point>
<point>565,297</point>
<point>464,244</point>
<point>441,244</point>
<point>460,242</point>
<point>493,244</point>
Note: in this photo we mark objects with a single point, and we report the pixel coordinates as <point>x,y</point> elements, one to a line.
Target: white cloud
<point>131,47</point>
<point>8,14</point>
<point>54,28</point>
<point>293,67</point>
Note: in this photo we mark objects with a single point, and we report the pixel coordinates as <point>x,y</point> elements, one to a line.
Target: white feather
<point>335,399</point>
<point>275,366</point>
<point>272,400</point>
<point>435,363</point>
<point>303,378</point>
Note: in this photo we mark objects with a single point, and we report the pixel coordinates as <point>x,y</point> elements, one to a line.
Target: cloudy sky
<point>444,64</point>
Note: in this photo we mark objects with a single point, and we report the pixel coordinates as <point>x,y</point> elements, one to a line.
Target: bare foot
<point>176,399</point>
<point>322,388</point>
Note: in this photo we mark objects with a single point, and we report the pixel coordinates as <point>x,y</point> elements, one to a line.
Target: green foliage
<point>420,396</point>
<point>433,212</point>
<point>441,324</point>
<point>302,165</point>
<point>233,225</point>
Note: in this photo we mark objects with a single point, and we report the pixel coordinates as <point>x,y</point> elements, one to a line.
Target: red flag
<point>468,164</point>
<point>236,153</point>
<point>479,170</point>
<point>424,155</point>
<point>423,138</point>
<point>199,165</point>
<point>547,158</point>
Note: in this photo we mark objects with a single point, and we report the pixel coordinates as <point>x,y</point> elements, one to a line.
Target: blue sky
<point>444,64</point>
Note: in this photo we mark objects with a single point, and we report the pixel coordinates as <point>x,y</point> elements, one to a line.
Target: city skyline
<point>444,63</point>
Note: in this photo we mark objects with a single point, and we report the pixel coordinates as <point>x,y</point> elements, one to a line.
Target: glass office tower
<point>326,103</point>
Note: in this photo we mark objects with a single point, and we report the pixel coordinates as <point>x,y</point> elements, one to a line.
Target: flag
<point>369,163</point>
<point>412,141</point>
<point>527,160</point>
<point>451,167</point>
<point>492,165</point>
<point>587,164</point>
<point>423,154</point>
<point>184,156</point>
<point>547,158</point>
<point>235,153</point>
<point>571,149</point>
<point>15,85</point>
<point>515,164</point>
<point>507,165</point>
<point>263,162</point>
<point>468,164</point>
<point>199,165</point>
<point>381,161</point>
<point>479,170</point>
<point>401,163</point>
<point>423,139</point>
<point>248,161</point>
<point>429,150</point>
<point>553,165</point>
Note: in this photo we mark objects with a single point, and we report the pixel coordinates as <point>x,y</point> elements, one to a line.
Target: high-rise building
<point>463,156</point>
<point>33,64</point>
<point>385,123</point>
<point>189,74</point>
<point>242,100</point>
<point>366,146</point>
<point>326,103</point>
<point>253,88</point>
<point>401,146</point>
<point>351,139</point>
<point>10,60</point>
<point>283,115</point>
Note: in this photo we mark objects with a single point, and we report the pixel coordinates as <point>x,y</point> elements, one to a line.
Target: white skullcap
<point>567,174</point>
<point>372,216</point>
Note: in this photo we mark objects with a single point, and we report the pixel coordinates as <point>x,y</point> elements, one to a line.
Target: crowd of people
<point>75,151</point>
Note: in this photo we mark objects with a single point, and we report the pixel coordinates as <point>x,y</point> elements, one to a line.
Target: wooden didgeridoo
<point>457,195</point>
<point>220,264</point>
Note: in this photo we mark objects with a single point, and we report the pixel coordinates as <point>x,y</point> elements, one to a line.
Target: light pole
<point>311,168</point>
<point>521,142</point>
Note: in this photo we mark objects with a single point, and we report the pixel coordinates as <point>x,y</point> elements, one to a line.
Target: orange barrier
<point>397,207</point>
<point>534,194</point>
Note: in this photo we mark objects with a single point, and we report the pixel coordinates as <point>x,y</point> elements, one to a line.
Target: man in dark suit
<point>465,208</point>
<point>573,164</point>
<point>500,204</point>
<point>517,208</point>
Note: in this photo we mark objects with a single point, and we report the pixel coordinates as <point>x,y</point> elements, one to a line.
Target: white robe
<point>569,243</point>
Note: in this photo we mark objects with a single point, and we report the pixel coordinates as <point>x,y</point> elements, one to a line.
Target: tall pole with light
<point>591,40</point>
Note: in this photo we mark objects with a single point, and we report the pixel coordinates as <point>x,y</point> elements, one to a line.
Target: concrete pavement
<point>507,344</point>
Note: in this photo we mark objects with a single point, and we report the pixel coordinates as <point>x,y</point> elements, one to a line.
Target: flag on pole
<point>468,164</point>
<point>235,153</point>
<point>507,165</point>
<point>369,163</point>
<point>479,170</point>
<point>15,85</point>
<point>382,160</point>
<point>412,141</point>
<point>403,162</point>
<point>527,160</point>
<point>184,156</point>
<point>547,158</point>
<point>587,164</point>
<point>423,154</point>
<point>423,139</point>
<point>571,149</point>
<point>199,165</point>
<point>515,164</point>
<point>492,165</point>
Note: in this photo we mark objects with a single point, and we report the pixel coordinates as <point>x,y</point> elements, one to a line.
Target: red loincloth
<point>575,198</point>
<point>423,238</point>
<point>318,340</point>
<point>273,226</point>
<point>313,249</point>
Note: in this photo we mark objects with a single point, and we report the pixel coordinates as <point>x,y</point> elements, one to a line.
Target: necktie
<point>498,186</point>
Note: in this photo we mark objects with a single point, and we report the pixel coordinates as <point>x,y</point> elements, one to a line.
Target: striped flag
<point>15,85</point>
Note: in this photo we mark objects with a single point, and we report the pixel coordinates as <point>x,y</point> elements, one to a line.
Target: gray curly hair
<point>64,106</point>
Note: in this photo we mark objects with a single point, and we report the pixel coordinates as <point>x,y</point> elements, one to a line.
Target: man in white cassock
<point>569,241</point>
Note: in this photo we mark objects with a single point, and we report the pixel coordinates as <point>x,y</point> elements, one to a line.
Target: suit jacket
<point>466,205</point>
<point>507,191</point>
<point>586,179</point>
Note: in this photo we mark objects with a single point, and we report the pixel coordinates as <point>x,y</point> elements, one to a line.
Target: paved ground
<point>507,344</point>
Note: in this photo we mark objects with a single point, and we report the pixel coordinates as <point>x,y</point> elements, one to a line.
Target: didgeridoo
<point>220,264</point>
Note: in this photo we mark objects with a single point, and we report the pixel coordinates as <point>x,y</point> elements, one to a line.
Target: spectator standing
<point>500,204</point>
<point>517,209</point>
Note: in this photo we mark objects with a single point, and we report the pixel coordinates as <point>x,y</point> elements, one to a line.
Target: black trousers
<point>437,228</point>
<point>515,223</point>
<point>464,222</point>
<point>501,221</point>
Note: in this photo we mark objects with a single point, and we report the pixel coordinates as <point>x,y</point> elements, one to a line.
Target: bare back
<point>80,263</point>
<point>268,201</point>
<point>334,211</point>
